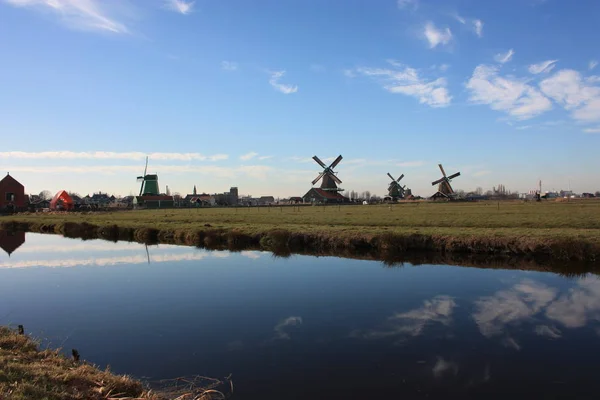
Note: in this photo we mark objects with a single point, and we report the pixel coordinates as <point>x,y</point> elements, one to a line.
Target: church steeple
<point>195,190</point>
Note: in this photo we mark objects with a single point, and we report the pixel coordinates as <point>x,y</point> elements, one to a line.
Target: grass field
<point>515,226</point>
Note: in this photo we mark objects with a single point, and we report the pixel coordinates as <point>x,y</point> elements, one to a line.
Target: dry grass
<point>565,230</point>
<point>26,373</point>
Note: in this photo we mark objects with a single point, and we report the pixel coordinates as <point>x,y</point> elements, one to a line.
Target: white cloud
<point>265,157</point>
<point>283,327</point>
<point>508,94</point>
<point>592,130</point>
<point>443,367</point>
<point>281,87</point>
<point>229,66</point>
<point>180,6</point>
<point>551,332</point>
<point>248,156</point>
<point>110,155</point>
<point>478,27</point>
<point>568,88</point>
<point>406,80</point>
<point>77,14</point>
<point>511,307</point>
<point>593,64</point>
<point>504,57</point>
<point>476,24</point>
<point>408,4</point>
<point>460,19</point>
<point>544,66</point>
<point>579,305</point>
<point>413,322</point>
<point>436,36</point>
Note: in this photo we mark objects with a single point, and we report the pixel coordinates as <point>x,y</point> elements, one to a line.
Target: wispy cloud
<point>281,87</point>
<point>544,66</point>
<point>108,155</point>
<point>592,64</point>
<point>181,6</point>
<point>405,80</point>
<point>436,36</point>
<point>348,73</point>
<point>592,130</point>
<point>411,164</point>
<point>476,24</point>
<point>576,94</point>
<point>508,94</point>
<point>265,157</point>
<point>76,14</point>
<point>229,66</point>
<point>283,328</point>
<point>248,156</point>
<point>478,27</point>
<point>408,4</point>
<point>504,57</point>
<point>412,323</point>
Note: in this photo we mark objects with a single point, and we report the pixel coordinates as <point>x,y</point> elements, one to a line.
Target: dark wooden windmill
<point>444,187</point>
<point>395,189</point>
<point>330,180</point>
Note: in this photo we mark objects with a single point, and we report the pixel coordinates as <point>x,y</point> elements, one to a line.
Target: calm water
<point>307,327</point>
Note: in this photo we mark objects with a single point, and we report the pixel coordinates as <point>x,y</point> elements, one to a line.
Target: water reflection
<point>11,241</point>
<point>306,327</point>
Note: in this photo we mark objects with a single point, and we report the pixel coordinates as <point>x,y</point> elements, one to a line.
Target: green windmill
<point>149,185</point>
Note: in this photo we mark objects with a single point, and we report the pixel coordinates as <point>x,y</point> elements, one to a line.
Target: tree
<point>45,195</point>
<point>597,194</point>
<point>367,195</point>
<point>479,190</point>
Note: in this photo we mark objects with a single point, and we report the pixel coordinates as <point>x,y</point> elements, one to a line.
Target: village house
<point>12,194</point>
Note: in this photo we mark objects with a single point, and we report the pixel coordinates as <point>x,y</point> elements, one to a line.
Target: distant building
<point>98,199</point>
<point>12,194</point>
<point>266,200</point>
<point>317,195</point>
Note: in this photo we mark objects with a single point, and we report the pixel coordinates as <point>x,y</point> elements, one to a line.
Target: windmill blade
<point>401,176</point>
<point>391,177</point>
<point>321,163</point>
<point>335,178</point>
<point>336,162</point>
<point>438,181</point>
<point>442,169</point>
<point>450,190</point>
<point>318,177</point>
<point>454,176</point>
<point>146,168</point>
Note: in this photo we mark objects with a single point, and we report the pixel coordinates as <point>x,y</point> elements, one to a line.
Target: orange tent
<point>61,201</point>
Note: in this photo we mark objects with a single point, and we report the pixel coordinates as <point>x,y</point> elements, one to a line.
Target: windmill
<point>149,186</point>
<point>444,182</point>
<point>395,189</point>
<point>330,180</point>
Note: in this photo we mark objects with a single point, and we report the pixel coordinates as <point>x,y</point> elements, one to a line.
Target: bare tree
<point>45,195</point>
<point>479,190</point>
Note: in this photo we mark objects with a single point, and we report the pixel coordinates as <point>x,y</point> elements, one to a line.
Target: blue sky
<point>242,93</point>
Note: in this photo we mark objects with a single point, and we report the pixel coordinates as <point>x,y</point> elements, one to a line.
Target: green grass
<point>526,226</point>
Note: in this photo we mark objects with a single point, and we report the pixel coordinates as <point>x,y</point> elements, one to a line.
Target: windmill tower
<point>395,189</point>
<point>443,183</point>
<point>149,186</point>
<point>330,180</point>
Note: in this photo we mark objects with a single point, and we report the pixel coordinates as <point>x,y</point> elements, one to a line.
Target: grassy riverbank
<point>560,230</point>
<point>28,373</point>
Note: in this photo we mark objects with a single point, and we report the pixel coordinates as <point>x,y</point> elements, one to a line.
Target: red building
<point>12,194</point>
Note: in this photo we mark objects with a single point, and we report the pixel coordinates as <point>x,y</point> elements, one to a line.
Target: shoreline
<point>389,247</point>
